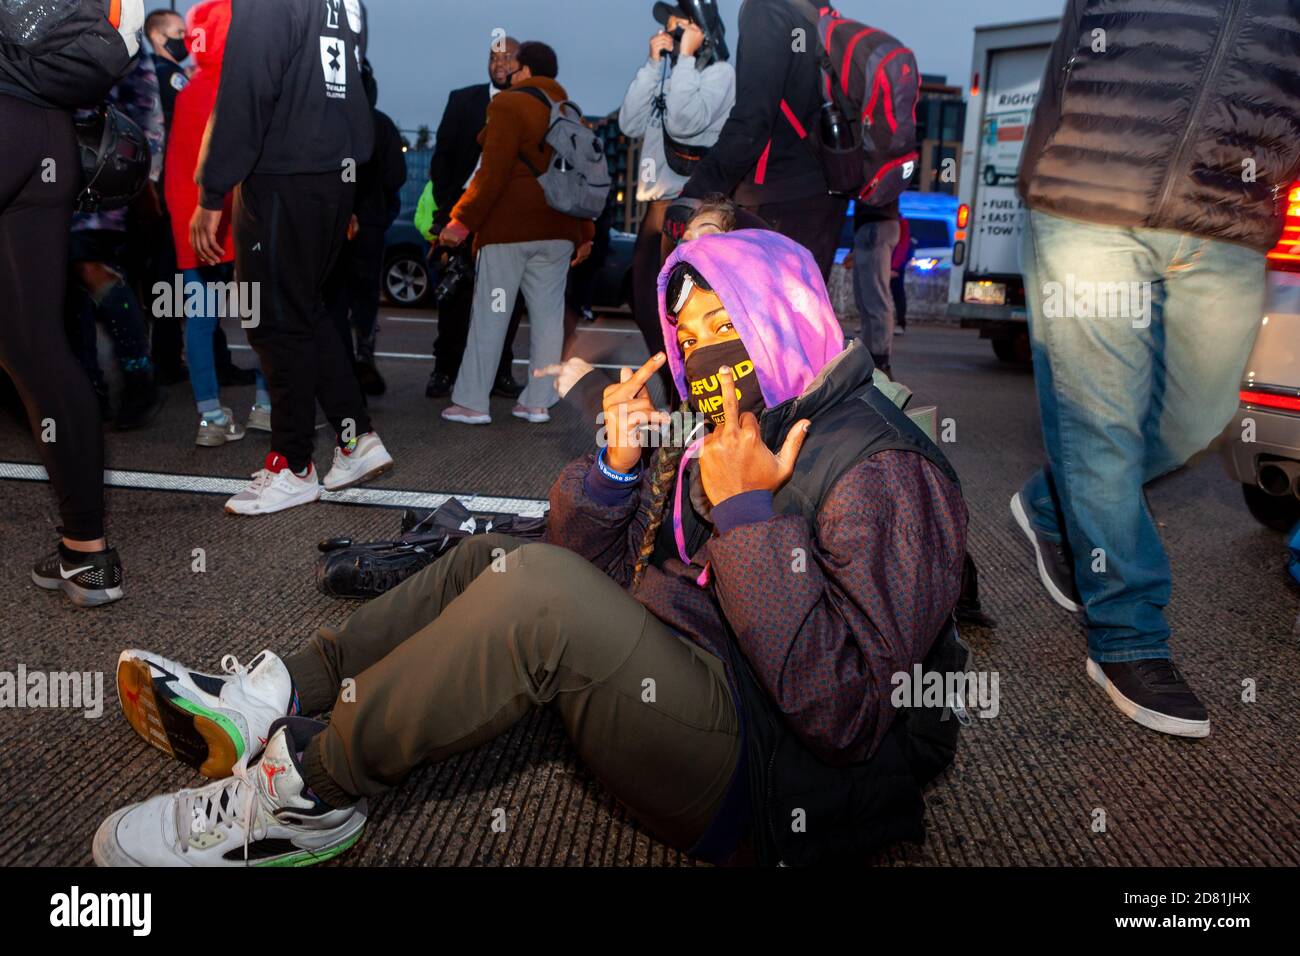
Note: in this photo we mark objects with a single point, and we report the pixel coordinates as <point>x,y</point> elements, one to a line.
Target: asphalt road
<point>1029,785</point>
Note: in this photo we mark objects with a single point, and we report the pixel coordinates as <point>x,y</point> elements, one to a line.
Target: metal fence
<point>417,174</point>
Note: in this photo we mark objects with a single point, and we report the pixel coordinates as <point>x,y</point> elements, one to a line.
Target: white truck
<point>986,290</point>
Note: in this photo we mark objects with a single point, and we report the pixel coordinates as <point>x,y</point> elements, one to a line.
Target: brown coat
<point>504,203</point>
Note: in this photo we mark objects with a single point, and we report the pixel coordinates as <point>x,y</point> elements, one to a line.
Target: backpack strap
<point>793,120</point>
<point>536,94</point>
<point>545,100</point>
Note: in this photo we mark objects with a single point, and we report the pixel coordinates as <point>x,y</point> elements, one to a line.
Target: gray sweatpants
<point>540,271</point>
<point>459,652</point>
<point>873,246</point>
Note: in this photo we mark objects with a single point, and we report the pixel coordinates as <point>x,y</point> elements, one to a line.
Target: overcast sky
<point>422,49</point>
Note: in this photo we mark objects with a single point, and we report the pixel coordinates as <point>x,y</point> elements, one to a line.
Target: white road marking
<point>369,497</point>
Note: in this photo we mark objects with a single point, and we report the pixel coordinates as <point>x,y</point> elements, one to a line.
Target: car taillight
<point>1288,403</point>
<point>1286,254</point>
<point>963,217</point>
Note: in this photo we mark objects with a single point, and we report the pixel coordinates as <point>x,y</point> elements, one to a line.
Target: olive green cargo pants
<point>459,652</point>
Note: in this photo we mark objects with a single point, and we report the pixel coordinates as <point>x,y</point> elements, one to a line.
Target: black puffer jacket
<point>1163,128</point>
<point>75,62</point>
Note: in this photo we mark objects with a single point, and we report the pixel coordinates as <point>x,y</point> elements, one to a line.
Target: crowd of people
<point>670,563</point>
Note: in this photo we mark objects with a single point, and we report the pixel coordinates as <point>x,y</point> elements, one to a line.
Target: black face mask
<point>702,390</point>
<point>175,48</point>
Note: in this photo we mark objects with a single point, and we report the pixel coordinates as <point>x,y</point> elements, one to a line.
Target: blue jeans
<point>199,330</point>
<point>1129,390</point>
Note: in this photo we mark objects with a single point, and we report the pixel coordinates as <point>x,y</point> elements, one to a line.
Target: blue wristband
<point>622,477</point>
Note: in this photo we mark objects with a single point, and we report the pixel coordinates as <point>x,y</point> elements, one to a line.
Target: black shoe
<point>1154,694</point>
<point>229,375</point>
<point>439,386</point>
<point>364,574</point>
<point>506,387</point>
<point>372,383</point>
<point>1055,562</point>
<point>88,578</point>
<point>141,400</point>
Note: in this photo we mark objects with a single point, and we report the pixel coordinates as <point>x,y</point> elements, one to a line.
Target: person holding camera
<point>677,103</point>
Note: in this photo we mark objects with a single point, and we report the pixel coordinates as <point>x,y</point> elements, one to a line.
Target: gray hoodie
<point>698,104</point>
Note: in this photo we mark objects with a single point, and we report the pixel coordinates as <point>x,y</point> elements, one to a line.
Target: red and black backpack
<point>873,82</point>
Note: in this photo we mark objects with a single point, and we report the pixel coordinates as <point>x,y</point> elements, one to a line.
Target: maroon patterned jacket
<point>879,575</point>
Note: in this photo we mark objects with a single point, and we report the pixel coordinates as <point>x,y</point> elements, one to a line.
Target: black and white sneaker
<point>1154,694</point>
<point>1055,562</point>
<point>88,578</point>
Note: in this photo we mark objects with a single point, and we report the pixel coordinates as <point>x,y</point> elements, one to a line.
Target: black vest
<point>850,811</point>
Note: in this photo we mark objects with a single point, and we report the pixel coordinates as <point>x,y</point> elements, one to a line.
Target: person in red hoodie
<point>206,28</point>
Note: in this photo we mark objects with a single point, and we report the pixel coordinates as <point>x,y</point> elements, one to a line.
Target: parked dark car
<point>406,278</point>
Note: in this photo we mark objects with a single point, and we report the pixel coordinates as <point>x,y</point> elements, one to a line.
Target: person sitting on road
<point>803,541</point>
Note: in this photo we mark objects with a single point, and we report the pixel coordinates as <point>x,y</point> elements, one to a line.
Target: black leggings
<point>39,175</point>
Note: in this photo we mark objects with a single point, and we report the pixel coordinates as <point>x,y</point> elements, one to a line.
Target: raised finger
<point>642,375</point>
<point>727,383</point>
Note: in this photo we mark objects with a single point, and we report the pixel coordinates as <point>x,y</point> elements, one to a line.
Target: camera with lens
<point>457,270</point>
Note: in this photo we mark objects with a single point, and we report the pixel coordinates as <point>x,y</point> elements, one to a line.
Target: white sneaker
<point>259,418</point>
<point>465,416</point>
<point>209,721</point>
<point>215,434</point>
<point>260,816</point>
<point>537,416</point>
<point>369,459</point>
<point>275,488</point>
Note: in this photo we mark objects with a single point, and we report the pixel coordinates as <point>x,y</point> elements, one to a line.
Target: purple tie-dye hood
<point>774,294</point>
<point>775,297</point>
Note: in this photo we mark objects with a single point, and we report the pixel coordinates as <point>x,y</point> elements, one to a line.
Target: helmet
<point>115,159</point>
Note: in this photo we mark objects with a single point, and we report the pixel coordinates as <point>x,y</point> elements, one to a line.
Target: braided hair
<point>683,279</point>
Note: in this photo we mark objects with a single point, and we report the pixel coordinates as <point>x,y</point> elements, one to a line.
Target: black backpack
<point>846,813</point>
<point>872,80</point>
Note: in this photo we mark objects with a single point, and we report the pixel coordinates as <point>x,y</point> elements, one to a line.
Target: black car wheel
<point>406,280</point>
<point>1279,512</point>
<point>1013,349</point>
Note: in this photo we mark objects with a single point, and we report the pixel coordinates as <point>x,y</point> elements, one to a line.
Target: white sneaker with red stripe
<point>262,815</point>
<point>275,488</point>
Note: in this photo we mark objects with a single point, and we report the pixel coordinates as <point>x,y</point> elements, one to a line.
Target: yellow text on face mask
<point>702,386</point>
